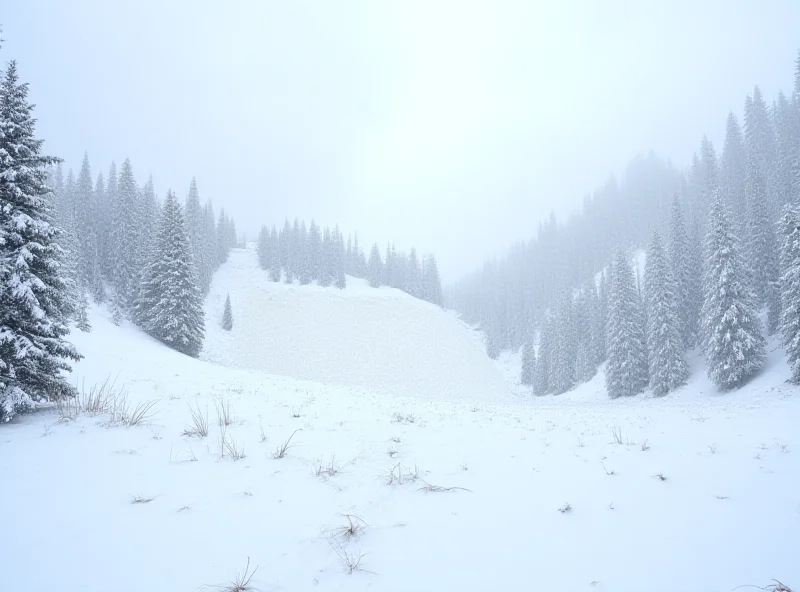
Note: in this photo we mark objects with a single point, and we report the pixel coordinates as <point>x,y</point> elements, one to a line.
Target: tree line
<point>311,253</point>
<point>62,238</point>
<point>720,282</point>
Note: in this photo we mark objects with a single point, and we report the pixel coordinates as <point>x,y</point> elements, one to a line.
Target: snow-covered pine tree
<point>541,368</point>
<point>275,257</point>
<point>341,279</point>
<point>296,249</point>
<point>210,240</point>
<point>374,267</point>
<point>683,274</point>
<point>786,120</point>
<point>528,362</point>
<point>626,371</point>
<point>761,247</point>
<point>223,245</point>
<point>789,225</point>
<point>99,262</point>
<point>287,251</point>
<point>314,251</point>
<point>227,315</point>
<point>732,169</point>
<point>109,255</point>
<point>431,282</point>
<point>600,329</point>
<point>305,256</point>
<point>195,229</point>
<point>348,256</point>
<point>326,259</point>
<point>34,294</point>
<point>760,145</point>
<point>413,275</point>
<point>171,303</point>
<point>125,235</point>
<point>732,341</point>
<point>85,223</point>
<point>665,351</point>
<point>562,363</point>
<point>262,250</point>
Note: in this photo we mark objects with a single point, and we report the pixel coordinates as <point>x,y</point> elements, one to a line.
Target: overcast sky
<point>453,126</point>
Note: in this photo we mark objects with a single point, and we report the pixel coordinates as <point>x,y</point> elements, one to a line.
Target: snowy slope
<point>381,340</point>
<point>727,514</point>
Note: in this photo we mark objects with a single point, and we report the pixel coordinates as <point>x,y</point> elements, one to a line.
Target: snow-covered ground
<point>726,514</point>
<point>381,340</point>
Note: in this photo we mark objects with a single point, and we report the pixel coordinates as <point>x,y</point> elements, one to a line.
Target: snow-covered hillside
<point>381,340</point>
<point>725,514</point>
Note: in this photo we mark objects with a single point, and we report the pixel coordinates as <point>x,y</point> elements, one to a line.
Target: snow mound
<point>380,340</point>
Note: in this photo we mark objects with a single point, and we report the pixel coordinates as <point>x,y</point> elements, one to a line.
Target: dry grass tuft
<point>350,561</point>
<point>138,499</point>
<point>355,526</point>
<point>660,476</point>
<point>398,474</point>
<point>645,446</point>
<point>281,450</point>
<point>565,508</point>
<point>428,488</point>
<point>616,433</point>
<point>241,583</point>
<point>224,414</point>
<point>199,427</point>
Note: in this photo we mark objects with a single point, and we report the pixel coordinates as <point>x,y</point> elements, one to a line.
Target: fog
<point>454,127</point>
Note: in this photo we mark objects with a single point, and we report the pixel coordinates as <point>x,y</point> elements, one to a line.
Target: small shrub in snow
<point>350,561</point>
<point>331,469</point>
<point>565,508</point>
<point>616,433</point>
<point>645,446</point>
<point>404,418</point>
<point>660,476</point>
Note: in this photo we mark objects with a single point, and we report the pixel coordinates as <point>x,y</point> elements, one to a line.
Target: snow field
<point>381,340</point>
<point>726,515</point>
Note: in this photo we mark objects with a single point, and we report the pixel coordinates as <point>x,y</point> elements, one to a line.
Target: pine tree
<point>227,315</point>
<point>223,245</point>
<point>562,362</point>
<point>287,252</point>
<point>326,260</point>
<point>275,257</point>
<point>732,170</point>
<point>413,275</point>
<point>626,371</point>
<point>109,256</point>
<point>314,251</point>
<point>528,363</point>
<point>667,365</point>
<point>761,247</point>
<point>263,248</point>
<point>760,144</point>
<point>341,279</point>
<point>601,329</point>
<point>374,267</point>
<point>431,282</point>
<point>789,226</point>
<point>99,261</point>
<point>305,256</point>
<point>684,275</point>
<point>170,305</point>
<point>732,340</point>
<point>34,303</point>
<point>541,369</point>
<point>124,237</point>
<point>85,223</point>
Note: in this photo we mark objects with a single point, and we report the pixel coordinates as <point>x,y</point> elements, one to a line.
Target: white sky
<point>450,125</point>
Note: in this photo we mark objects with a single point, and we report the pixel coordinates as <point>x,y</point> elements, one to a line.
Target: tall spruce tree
<point>341,279</point>
<point>374,267</point>
<point>733,168</point>
<point>125,235</point>
<point>562,362</point>
<point>732,341</point>
<point>274,257</point>
<point>541,368</point>
<point>171,304</point>
<point>789,226</point>
<point>34,294</point>
<point>684,275</point>
<point>626,371</point>
<point>667,365</point>
<point>761,247</point>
